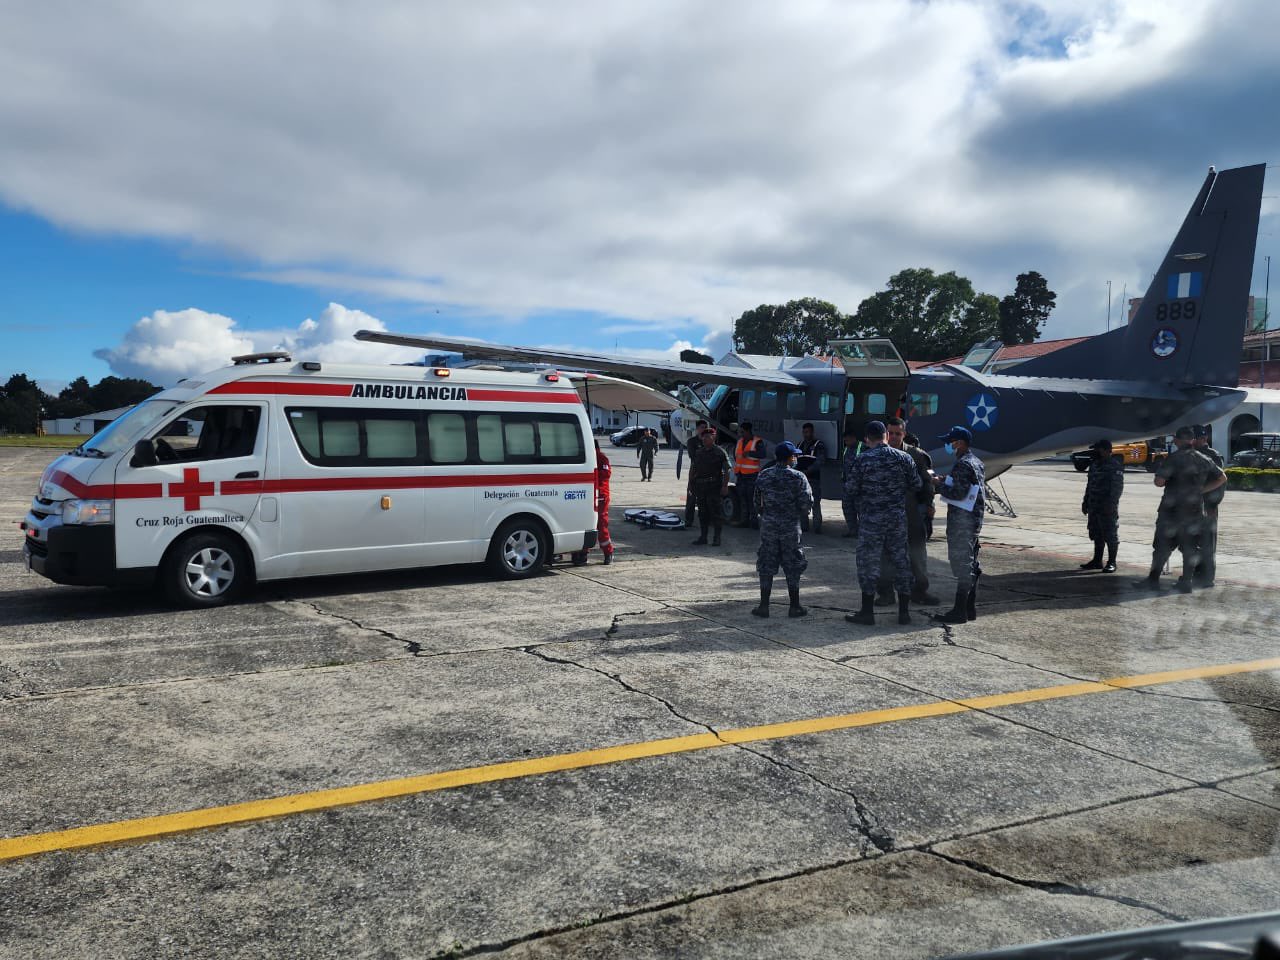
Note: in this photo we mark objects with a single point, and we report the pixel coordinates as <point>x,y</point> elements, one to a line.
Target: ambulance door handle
<point>247,475</point>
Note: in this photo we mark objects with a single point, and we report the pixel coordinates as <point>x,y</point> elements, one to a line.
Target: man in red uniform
<point>604,470</point>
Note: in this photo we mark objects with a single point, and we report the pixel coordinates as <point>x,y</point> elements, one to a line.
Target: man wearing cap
<point>964,521</point>
<point>709,484</point>
<point>691,446</point>
<point>783,498</point>
<point>1186,475</point>
<point>919,503</point>
<point>881,480</point>
<point>1207,568</point>
<point>1101,504</point>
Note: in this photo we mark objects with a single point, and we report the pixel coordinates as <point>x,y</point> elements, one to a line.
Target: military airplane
<point>1177,361</point>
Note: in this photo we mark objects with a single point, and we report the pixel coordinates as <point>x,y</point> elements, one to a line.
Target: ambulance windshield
<point>121,432</point>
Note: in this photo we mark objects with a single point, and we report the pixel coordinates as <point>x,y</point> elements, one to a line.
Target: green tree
<point>1023,312</point>
<point>72,401</point>
<point>929,316</point>
<point>792,329</point>
<point>694,356</point>
<point>112,392</point>
<point>20,405</point>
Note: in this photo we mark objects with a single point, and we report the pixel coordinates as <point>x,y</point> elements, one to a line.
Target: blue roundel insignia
<point>981,412</point>
<point>1164,343</point>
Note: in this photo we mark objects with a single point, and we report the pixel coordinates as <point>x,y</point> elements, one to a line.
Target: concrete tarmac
<point>920,823</point>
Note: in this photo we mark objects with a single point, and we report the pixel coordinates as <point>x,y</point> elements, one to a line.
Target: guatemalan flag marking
<point>1183,285</point>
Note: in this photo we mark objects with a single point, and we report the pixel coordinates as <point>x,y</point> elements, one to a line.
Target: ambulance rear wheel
<point>518,549</point>
<point>205,570</point>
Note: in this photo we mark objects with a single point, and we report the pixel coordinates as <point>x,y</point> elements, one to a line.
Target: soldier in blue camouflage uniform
<point>879,483</point>
<point>963,526</point>
<point>852,447</point>
<point>1101,504</point>
<point>782,497</point>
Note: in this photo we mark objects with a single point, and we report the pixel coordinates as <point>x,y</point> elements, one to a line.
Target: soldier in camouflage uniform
<point>1186,476</point>
<point>880,481</point>
<point>852,447</point>
<point>963,525</point>
<point>1101,504</point>
<point>1207,568</point>
<point>782,497</point>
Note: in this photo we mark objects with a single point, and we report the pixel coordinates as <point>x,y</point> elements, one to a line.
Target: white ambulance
<point>268,469</point>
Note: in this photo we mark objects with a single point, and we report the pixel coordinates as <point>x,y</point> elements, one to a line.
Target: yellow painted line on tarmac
<point>170,824</point>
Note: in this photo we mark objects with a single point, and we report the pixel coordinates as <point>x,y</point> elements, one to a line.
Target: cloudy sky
<point>179,182</point>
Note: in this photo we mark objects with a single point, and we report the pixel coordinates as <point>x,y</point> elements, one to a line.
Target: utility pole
<point>1108,306</point>
<point>1262,354</point>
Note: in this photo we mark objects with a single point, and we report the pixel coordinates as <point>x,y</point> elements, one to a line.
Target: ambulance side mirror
<point>144,454</point>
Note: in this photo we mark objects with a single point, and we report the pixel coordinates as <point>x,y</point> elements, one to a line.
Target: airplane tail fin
<point>1190,326</point>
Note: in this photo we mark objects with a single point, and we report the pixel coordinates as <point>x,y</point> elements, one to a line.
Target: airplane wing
<point>614,394</point>
<point>645,369</point>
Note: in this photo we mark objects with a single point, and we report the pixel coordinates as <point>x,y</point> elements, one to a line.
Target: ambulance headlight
<point>86,511</point>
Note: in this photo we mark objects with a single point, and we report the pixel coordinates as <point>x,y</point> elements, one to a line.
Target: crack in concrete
<point>1187,696</point>
<point>534,651</point>
<point>411,646</point>
<point>925,847</point>
<point>868,824</point>
<point>1054,887</point>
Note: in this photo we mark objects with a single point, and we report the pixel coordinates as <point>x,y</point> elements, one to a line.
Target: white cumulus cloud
<point>166,346</point>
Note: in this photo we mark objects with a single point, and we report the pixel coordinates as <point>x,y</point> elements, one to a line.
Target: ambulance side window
<point>214,432</point>
<point>520,441</point>
<point>447,437</point>
<point>489,438</point>
<point>355,438</point>
<point>559,439</point>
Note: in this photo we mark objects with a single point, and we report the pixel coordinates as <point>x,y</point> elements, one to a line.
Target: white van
<point>269,469</point>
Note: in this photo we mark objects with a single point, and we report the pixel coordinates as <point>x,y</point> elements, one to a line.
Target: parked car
<point>1146,454</point>
<point>1262,451</point>
<point>627,436</point>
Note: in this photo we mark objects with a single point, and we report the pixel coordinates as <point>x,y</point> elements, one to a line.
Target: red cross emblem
<point>191,489</point>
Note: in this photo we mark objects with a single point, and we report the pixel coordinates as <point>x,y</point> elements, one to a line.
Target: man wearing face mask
<point>1101,504</point>
<point>962,491</point>
<point>783,497</point>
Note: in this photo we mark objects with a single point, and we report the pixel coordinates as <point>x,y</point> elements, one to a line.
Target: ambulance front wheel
<point>205,570</point>
<point>518,549</point>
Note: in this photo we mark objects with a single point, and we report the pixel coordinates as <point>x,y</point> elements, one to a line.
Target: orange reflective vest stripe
<point>743,463</point>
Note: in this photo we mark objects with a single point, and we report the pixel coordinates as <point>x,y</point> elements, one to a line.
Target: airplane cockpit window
<point>768,400</point>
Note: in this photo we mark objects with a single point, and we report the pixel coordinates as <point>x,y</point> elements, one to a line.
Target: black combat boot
<point>1096,562</point>
<point>1150,582</point>
<point>796,610</point>
<point>1110,566</point>
<point>702,540</point>
<point>763,609</point>
<point>715,541</point>
<point>817,526</point>
<point>904,613</point>
<point>867,615</point>
<point>971,602</point>
<point>960,612</point>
